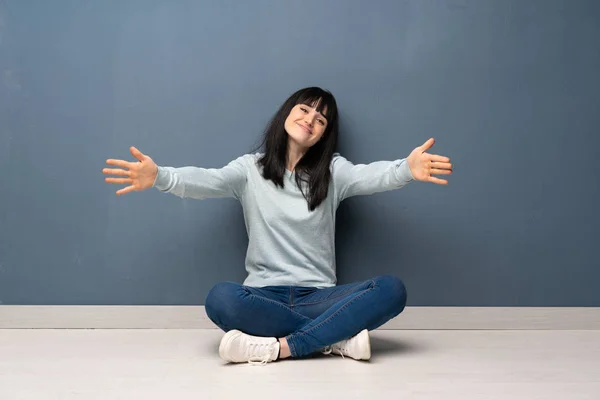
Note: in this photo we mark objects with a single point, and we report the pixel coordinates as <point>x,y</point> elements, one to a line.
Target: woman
<point>289,305</point>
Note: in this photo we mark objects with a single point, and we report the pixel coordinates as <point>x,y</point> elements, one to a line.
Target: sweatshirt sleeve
<point>204,183</point>
<point>365,179</point>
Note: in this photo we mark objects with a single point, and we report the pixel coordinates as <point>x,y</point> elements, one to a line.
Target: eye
<point>322,122</point>
<point>304,109</point>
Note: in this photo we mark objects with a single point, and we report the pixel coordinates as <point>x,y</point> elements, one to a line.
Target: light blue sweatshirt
<point>287,244</point>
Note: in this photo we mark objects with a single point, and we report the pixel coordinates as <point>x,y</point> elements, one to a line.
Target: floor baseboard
<point>194,317</point>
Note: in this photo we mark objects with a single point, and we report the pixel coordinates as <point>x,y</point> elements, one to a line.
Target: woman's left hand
<point>424,165</point>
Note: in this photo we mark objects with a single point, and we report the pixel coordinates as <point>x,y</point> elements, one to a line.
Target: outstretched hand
<point>138,175</point>
<point>424,165</point>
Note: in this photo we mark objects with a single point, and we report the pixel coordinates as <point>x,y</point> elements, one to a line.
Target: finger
<point>439,181</point>
<point>125,190</point>
<point>137,154</point>
<point>428,144</point>
<point>119,163</point>
<point>436,171</point>
<point>120,181</point>
<point>441,165</point>
<point>435,157</point>
<point>115,171</point>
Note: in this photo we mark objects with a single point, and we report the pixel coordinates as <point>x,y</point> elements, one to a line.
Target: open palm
<point>424,165</point>
<point>138,175</point>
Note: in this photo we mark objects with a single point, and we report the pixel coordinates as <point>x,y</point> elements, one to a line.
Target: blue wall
<point>509,88</point>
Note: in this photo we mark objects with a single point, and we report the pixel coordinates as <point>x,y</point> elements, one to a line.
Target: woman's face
<point>305,125</point>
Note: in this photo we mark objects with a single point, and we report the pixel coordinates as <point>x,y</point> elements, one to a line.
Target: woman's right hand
<point>138,175</point>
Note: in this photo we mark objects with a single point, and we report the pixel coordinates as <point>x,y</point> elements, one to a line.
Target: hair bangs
<point>320,99</point>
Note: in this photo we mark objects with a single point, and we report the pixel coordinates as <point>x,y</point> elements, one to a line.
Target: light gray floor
<point>409,364</point>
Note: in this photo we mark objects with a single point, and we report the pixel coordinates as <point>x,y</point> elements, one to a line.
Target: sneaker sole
<point>225,341</point>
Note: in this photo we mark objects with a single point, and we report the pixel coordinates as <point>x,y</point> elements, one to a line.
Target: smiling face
<point>305,125</point>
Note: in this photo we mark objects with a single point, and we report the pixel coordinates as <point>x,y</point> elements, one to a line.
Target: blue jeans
<point>309,318</point>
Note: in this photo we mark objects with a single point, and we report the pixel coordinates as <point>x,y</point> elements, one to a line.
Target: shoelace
<point>259,353</point>
<point>330,349</point>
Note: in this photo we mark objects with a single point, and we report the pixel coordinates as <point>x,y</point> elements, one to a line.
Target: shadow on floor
<point>386,346</point>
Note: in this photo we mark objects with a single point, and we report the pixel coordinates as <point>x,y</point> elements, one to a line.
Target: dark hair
<point>313,168</point>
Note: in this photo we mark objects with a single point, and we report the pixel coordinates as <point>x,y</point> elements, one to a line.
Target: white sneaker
<point>237,347</point>
<point>357,347</point>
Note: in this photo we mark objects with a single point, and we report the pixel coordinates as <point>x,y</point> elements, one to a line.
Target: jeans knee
<point>219,299</point>
<point>394,292</point>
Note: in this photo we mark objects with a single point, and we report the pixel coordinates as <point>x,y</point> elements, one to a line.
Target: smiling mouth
<point>306,129</point>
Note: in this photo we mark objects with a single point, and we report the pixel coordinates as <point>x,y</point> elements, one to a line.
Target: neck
<point>294,154</point>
